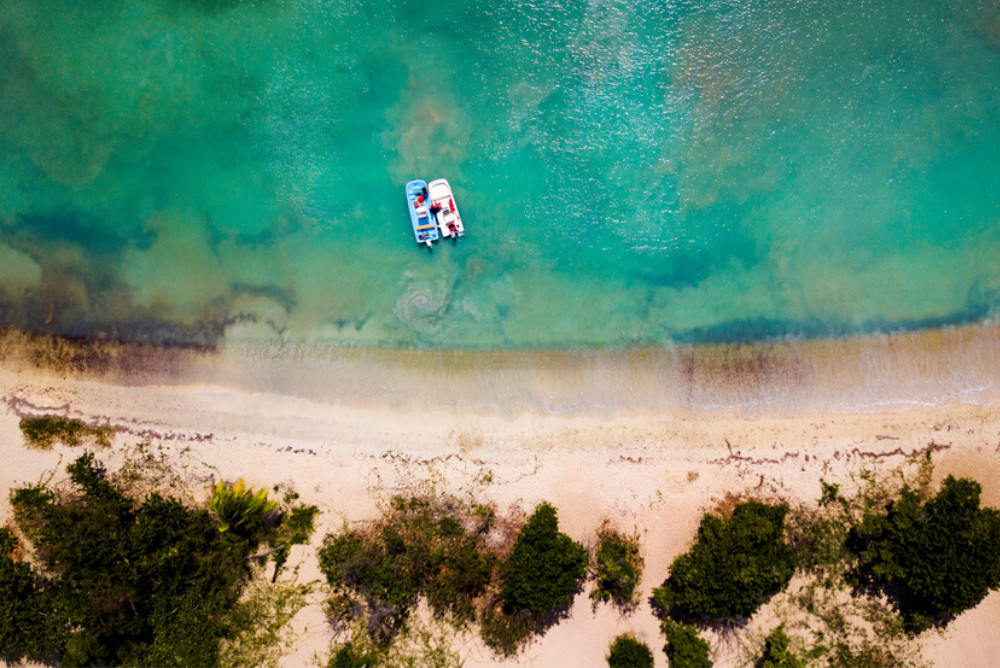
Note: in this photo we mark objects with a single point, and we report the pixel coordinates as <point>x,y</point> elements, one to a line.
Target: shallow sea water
<point>630,173</point>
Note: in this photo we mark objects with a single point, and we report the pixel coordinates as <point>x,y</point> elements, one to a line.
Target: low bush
<point>419,547</point>
<point>43,432</point>
<point>538,581</point>
<point>545,568</point>
<point>933,560</point>
<point>736,565</point>
<point>685,648</point>
<point>382,570</point>
<point>617,568</point>
<point>350,656</point>
<point>777,652</point>
<point>843,629</point>
<point>627,652</point>
<point>503,632</point>
<point>434,548</point>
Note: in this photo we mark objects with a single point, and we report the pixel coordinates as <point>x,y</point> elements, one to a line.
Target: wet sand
<point>878,373</point>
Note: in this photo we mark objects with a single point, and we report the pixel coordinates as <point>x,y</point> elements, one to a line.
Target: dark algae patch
<point>98,355</point>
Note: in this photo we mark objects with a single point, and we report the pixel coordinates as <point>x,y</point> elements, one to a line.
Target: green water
<point>628,172</point>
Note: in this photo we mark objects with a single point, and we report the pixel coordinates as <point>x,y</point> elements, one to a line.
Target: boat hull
<point>425,229</point>
<point>448,219</point>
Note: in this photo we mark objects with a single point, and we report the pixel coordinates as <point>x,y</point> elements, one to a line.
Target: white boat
<point>444,210</point>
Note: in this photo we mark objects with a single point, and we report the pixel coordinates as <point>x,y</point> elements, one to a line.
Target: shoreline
<point>657,470</point>
<point>876,373</point>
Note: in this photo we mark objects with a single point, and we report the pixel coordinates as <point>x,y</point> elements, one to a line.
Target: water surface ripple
<point>630,172</point>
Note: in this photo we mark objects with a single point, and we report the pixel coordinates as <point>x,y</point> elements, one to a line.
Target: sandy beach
<point>652,469</point>
<point>715,251</point>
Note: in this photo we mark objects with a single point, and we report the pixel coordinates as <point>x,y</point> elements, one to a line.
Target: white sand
<point>653,470</point>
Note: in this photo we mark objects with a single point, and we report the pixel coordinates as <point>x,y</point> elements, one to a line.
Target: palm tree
<point>238,507</point>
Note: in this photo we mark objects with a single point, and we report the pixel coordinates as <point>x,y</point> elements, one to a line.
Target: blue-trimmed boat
<point>425,229</point>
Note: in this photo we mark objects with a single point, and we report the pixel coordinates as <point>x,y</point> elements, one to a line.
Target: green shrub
<point>777,653</point>
<point>617,568</point>
<point>294,527</point>
<point>42,432</point>
<point>349,656</point>
<point>505,633</point>
<point>734,566</point>
<point>460,570</point>
<point>418,548</point>
<point>8,541</point>
<point>845,631</point>
<point>27,630</point>
<point>136,582</point>
<point>685,648</point>
<point>539,579</point>
<point>934,559</point>
<point>545,568</point>
<point>627,652</point>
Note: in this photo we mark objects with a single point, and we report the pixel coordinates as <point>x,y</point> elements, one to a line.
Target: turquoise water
<point>628,172</point>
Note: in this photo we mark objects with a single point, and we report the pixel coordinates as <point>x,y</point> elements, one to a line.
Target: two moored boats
<point>433,212</point>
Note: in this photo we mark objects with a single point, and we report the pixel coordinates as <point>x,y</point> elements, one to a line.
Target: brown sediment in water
<point>868,374</point>
<point>97,357</point>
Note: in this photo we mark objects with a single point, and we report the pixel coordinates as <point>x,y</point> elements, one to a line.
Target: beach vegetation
<point>45,431</point>
<point>628,652</point>
<point>933,558</point>
<point>777,651</point>
<point>843,625</point>
<point>295,527</point>
<point>350,655</point>
<point>819,534</point>
<point>430,547</point>
<point>117,580</point>
<point>259,632</point>
<point>685,648</point>
<point>736,565</point>
<point>617,567</point>
<point>26,630</point>
<point>545,569</point>
<point>241,510</point>
<point>505,632</point>
<point>424,640</point>
<point>538,581</point>
<point>467,563</point>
